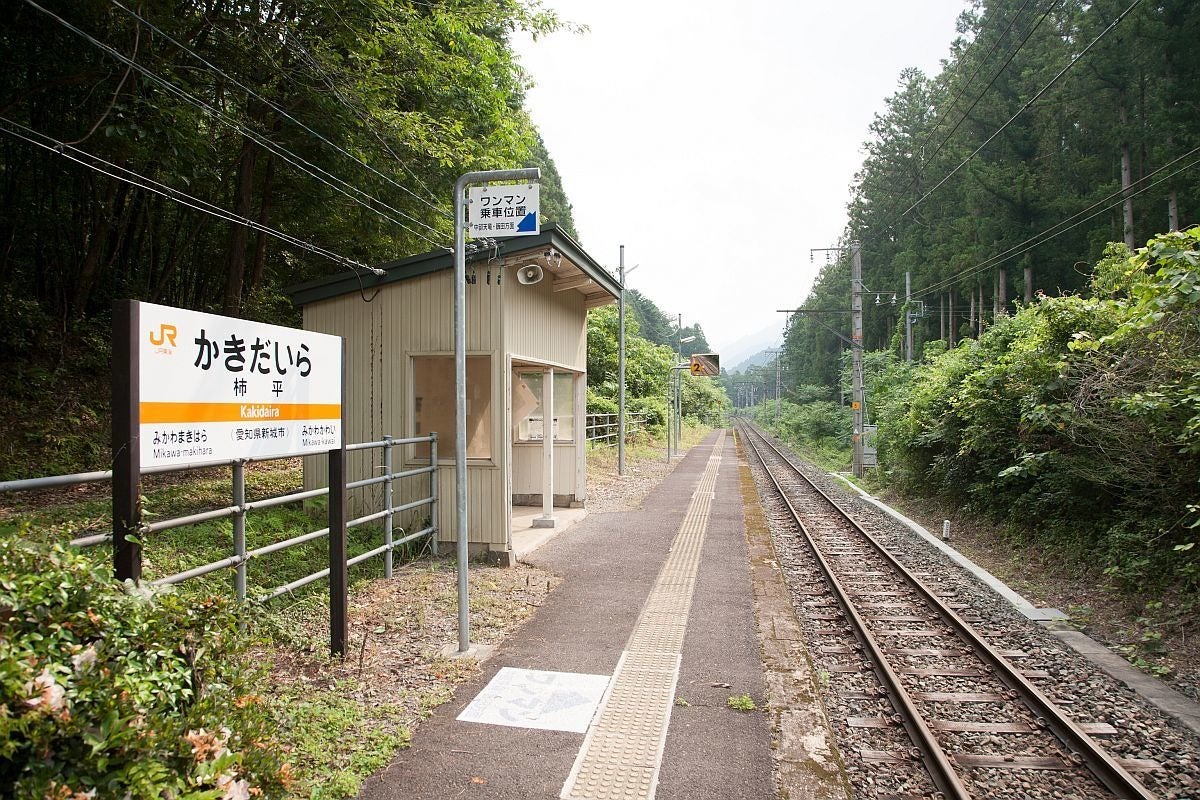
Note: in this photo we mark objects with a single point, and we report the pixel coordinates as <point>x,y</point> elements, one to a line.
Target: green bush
<point>121,692</point>
<point>1077,420</point>
<point>599,404</point>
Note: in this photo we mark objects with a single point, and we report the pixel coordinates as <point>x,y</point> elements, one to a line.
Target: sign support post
<point>621,372</point>
<point>339,617</point>
<point>126,443</point>
<point>460,379</point>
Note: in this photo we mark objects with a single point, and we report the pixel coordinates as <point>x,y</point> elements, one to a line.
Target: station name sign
<point>215,388</point>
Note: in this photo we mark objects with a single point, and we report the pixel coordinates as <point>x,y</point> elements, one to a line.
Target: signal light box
<point>706,364</point>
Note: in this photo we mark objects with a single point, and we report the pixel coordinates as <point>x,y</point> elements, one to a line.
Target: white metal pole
<point>460,379</point>
<point>547,520</point>
<point>621,372</point>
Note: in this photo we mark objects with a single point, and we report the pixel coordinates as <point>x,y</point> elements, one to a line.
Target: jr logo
<point>166,333</point>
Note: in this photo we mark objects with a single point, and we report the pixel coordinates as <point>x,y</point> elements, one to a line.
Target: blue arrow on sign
<point>529,224</point>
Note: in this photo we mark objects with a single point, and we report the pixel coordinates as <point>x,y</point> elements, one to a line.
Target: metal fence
<point>239,508</point>
<point>603,429</point>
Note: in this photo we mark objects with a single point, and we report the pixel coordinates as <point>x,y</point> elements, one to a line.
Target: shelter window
<point>433,405</point>
<point>528,418</point>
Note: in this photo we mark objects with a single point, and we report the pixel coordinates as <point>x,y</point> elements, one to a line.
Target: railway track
<point>931,698</point>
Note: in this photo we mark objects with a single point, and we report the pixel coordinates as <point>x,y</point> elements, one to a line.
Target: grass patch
<point>317,727</point>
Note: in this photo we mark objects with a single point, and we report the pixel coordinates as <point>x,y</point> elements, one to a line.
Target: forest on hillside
<point>1041,196</point>
<point>1053,129</point>
<point>207,154</point>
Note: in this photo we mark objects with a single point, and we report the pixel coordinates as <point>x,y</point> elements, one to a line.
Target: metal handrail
<point>240,507</point>
<point>603,429</point>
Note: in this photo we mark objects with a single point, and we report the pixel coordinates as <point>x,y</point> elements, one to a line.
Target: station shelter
<point>527,300</point>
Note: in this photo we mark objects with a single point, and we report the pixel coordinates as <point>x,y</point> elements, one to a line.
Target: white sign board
<point>214,388</point>
<point>501,211</point>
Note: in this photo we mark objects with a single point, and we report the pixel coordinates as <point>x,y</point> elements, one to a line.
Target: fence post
<point>433,493</point>
<point>339,621</point>
<point>239,526</point>
<point>387,504</point>
<point>126,442</point>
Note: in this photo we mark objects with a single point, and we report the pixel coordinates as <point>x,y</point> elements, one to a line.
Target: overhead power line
<point>1028,103</point>
<point>1060,228</point>
<point>365,119</point>
<point>283,112</point>
<point>991,83</point>
<point>345,188</point>
<point>116,172</point>
<point>966,114</point>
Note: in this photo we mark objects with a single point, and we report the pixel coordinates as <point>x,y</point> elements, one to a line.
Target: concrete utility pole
<point>856,336</point>
<point>908,317</point>
<point>777,354</point>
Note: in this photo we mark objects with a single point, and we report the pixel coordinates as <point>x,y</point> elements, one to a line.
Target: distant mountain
<point>750,347</point>
<point>757,360</point>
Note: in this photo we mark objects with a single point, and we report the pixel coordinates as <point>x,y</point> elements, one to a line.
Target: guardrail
<point>603,429</point>
<point>239,508</point>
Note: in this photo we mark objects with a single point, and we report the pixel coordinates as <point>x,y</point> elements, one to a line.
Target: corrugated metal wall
<point>415,317</point>
<point>527,468</point>
<point>544,325</point>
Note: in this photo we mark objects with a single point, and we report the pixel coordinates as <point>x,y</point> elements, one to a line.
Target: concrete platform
<point>655,604</point>
<point>529,531</point>
<point>621,685</point>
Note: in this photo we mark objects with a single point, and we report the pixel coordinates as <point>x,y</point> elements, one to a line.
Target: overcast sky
<point>717,140</point>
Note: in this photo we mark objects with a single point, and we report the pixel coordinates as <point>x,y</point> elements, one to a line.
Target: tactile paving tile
<point>623,749</point>
<point>612,780</point>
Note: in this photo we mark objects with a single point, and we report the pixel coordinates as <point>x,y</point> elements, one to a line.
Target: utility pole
<point>856,336</point>
<point>908,317</point>
<point>621,373</point>
<point>678,404</point>
<point>777,354</point>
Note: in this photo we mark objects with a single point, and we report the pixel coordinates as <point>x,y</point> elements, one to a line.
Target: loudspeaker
<point>530,273</point>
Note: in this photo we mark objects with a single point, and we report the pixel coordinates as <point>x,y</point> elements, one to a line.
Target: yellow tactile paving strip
<point>623,750</point>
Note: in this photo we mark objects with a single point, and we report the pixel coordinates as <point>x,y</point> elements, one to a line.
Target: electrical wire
<point>1029,103</point>
<point>365,118</point>
<point>1051,233</point>
<point>992,82</point>
<point>133,178</point>
<point>283,112</point>
<point>296,161</point>
<point>912,183</point>
<point>962,89</point>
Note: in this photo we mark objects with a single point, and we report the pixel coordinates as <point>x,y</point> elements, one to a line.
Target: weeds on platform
<point>741,702</point>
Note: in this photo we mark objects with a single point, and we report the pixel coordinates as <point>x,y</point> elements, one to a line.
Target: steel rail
<point>1083,749</point>
<point>937,762</point>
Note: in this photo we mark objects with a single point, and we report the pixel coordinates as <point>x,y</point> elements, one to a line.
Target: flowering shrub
<point>121,692</point>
